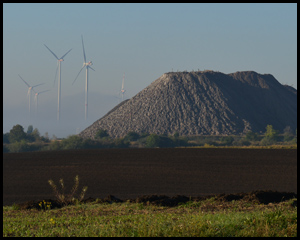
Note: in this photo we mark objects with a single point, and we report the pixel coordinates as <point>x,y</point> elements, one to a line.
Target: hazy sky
<point>141,40</point>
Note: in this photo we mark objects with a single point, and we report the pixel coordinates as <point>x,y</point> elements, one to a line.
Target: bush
<point>251,136</point>
<point>54,145</point>
<point>72,142</point>
<point>101,134</point>
<point>154,140</point>
<point>227,141</point>
<point>121,143</point>
<point>21,146</point>
<point>132,136</point>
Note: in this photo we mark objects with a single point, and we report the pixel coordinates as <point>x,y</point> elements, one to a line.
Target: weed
<point>44,205</point>
<point>66,199</point>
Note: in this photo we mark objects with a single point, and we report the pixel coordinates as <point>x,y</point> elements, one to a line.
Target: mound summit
<point>203,103</point>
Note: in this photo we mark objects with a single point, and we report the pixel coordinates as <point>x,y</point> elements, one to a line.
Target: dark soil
<point>157,176</point>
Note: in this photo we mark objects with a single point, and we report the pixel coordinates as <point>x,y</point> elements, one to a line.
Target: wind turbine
<point>59,60</point>
<point>29,90</point>
<point>86,65</point>
<point>36,100</point>
<point>122,89</point>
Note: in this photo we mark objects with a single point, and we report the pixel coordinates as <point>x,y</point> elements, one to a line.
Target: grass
<point>199,219</point>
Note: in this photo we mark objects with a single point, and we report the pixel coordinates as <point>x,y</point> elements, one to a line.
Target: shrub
<point>251,136</point>
<point>228,140</point>
<point>21,146</point>
<point>66,199</point>
<point>132,136</point>
<point>54,145</point>
<point>72,142</point>
<point>121,143</point>
<point>101,134</point>
<point>158,141</point>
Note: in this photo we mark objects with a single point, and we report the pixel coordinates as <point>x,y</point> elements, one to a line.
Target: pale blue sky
<point>142,40</point>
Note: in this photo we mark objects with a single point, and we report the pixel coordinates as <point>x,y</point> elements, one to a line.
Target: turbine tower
<point>29,90</point>
<point>86,65</point>
<point>59,60</point>
<point>36,100</point>
<point>122,89</point>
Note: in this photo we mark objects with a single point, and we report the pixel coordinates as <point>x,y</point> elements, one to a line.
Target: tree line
<point>17,140</point>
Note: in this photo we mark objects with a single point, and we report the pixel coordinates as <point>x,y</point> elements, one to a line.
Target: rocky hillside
<point>203,103</point>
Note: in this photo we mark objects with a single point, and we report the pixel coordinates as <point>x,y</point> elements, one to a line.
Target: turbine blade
<point>37,85</point>
<point>43,91</point>
<point>24,81</point>
<point>65,54</point>
<point>52,52</point>
<point>78,74</point>
<point>83,49</point>
<point>91,68</point>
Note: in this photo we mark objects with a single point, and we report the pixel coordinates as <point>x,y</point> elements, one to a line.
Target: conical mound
<point>203,103</point>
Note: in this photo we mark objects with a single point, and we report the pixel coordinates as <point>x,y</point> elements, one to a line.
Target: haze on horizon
<point>143,41</point>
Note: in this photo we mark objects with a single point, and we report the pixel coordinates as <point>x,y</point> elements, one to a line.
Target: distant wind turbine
<point>122,89</point>
<point>86,65</point>
<point>29,90</point>
<point>36,100</point>
<point>59,60</point>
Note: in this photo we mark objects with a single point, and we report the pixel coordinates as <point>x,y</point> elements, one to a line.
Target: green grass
<point>199,219</point>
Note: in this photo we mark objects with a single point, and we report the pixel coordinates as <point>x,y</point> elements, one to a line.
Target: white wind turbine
<point>36,100</point>
<point>122,89</point>
<point>29,90</point>
<point>86,65</point>
<point>59,60</point>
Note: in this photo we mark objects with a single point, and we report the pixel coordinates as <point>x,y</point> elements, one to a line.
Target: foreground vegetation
<point>17,140</point>
<point>200,219</point>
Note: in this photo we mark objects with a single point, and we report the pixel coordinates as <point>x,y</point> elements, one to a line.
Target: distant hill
<point>203,103</point>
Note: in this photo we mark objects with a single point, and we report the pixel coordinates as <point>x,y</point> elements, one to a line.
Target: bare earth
<point>131,173</point>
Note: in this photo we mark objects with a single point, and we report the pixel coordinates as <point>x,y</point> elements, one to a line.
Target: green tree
<point>54,145</point>
<point>46,136</point>
<point>72,142</point>
<point>271,132</point>
<point>251,136</point>
<point>5,137</point>
<point>29,129</point>
<point>228,140</point>
<point>17,134</point>
<point>18,146</point>
<point>120,143</point>
<point>101,133</point>
<point>36,134</point>
<point>152,141</point>
<point>158,141</point>
<point>176,135</point>
<point>131,136</point>
<point>287,134</point>
<point>271,136</point>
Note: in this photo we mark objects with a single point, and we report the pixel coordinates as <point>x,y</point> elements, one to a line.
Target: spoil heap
<point>203,103</point>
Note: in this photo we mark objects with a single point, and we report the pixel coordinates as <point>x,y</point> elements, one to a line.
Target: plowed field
<point>130,173</point>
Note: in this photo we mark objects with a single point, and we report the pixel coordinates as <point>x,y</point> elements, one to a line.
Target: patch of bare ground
<point>160,176</point>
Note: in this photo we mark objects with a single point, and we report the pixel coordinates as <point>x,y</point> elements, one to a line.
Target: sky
<point>142,41</point>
